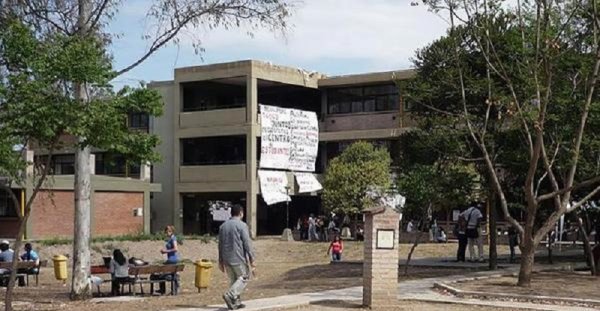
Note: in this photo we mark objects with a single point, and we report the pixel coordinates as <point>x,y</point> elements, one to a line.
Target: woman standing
<point>172,252</point>
<point>171,246</point>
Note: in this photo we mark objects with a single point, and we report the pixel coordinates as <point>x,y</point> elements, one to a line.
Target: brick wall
<point>380,268</point>
<point>113,213</point>
<point>52,214</point>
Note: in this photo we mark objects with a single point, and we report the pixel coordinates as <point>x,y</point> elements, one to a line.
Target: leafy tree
<point>38,107</point>
<point>518,84</point>
<point>350,175</point>
<point>85,18</point>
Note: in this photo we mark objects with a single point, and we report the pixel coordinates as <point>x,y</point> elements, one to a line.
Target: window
<point>219,150</point>
<point>7,206</point>
<point>138,120</point>
<point>116,165</point>
<point>363,99</point>
<point>202,96</point>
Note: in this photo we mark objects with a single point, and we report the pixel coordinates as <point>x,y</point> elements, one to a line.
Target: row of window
<point>106,164</point>
<point>363,99</point>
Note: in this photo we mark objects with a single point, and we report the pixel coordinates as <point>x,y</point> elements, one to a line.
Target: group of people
<point>7,255</point>
<point>319,228</point>
<point>468,232</point>
<point>119,266</point>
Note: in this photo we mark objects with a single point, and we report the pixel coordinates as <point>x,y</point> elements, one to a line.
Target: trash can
<point>60,267</point>
<point>203,272</point>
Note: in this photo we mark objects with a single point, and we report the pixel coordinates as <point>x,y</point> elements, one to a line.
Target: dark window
<point>219,150</point>
<point>7,206</point>
<point>200,96</point>
<point>363,99</point>
<point>138,120</point>
<point>63,164</point>
<point>116,165</point>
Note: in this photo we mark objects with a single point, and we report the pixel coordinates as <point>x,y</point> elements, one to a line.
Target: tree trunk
<point>588,248</point>
<point>493,230</point>
<point>80,285</point>
<point>527,260</point>
<point>412,249</point>
<point>13,272</point>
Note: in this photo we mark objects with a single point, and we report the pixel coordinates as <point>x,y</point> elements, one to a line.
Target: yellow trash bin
<point>203,272</point>
<point>60,267</point>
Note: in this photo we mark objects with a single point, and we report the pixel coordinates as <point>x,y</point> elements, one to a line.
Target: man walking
<point>236,256</point>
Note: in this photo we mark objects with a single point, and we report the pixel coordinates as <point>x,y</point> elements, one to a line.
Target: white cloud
<point>375,31</point>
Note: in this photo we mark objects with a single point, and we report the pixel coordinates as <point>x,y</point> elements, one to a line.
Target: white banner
<point>272,186</point>
<point>307,182</point>
<point>275,137</point>
<point>289,138</point>
<point>304,140</point>
<point>220,210</point>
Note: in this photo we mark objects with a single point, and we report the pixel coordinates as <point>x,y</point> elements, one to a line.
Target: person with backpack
<point>460,233</point>
<point>473,216</point>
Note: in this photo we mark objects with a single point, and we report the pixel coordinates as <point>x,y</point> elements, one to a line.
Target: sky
<point>333,37</point>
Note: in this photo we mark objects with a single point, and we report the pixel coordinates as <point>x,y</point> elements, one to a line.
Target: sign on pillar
<point>380,269</point>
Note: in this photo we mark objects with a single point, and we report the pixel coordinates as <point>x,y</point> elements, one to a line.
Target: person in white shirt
<point>473,216</point>
<point>410,227</point>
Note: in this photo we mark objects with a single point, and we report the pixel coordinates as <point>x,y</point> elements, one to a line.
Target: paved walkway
<point>419,290</point>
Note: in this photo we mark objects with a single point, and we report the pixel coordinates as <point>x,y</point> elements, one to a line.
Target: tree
<point>350,175</point>
<point>82,18</point>
<point>520,82</point>
<point>39,106</point>
<point>431,181</point>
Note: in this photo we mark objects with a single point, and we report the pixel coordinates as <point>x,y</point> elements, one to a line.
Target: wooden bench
<point>30,268</point>
<point>143,275</point>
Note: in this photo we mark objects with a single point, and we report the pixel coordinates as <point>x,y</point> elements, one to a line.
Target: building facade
<point>210,134</point>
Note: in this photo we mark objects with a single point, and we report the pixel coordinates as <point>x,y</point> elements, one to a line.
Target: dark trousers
<point>462,247</point>
<point>116,285</point>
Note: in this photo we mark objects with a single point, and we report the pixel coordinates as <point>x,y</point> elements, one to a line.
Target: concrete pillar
<point>93,164</point>
<point>251,152</point>
<point>28,189</point>
<point>380,268</point>
<point>146,211</point>
<point>145,172</point>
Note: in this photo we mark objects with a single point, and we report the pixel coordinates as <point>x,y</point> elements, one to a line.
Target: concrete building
<point>210,135</point>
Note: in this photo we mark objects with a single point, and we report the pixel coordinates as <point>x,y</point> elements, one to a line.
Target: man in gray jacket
<point>236,256</point>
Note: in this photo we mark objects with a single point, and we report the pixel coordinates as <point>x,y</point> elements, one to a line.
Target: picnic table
<point>144,275</point>
<point>25,269</point>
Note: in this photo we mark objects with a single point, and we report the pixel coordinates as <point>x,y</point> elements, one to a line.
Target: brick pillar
<point>380,268</point>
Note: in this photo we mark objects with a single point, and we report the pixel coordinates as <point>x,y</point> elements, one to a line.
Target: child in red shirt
<point>336,248</point>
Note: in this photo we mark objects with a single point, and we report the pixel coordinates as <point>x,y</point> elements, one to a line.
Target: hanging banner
<point>289,139</point>
<point>275,137</point>
<point>304,140</point>
<point>220,210</point>
<point>272,186</point>
<point>307,182</point>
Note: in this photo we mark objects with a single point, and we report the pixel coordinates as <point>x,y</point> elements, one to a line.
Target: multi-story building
<point>210,134</point>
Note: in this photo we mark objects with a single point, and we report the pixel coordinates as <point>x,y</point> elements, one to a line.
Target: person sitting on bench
<point>119,270</point>
<point>6,255</point>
